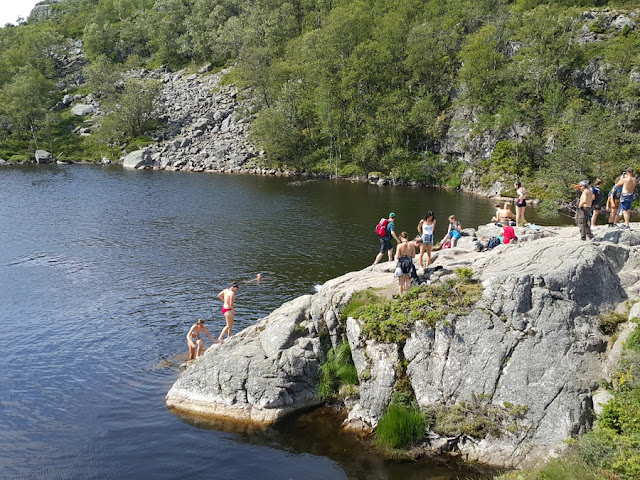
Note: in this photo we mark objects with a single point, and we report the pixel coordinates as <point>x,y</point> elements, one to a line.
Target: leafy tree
<point>26,101</point>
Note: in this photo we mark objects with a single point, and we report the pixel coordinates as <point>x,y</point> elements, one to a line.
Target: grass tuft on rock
<point>400,426</point>
<point>391,321</point>
<point>337,371</point>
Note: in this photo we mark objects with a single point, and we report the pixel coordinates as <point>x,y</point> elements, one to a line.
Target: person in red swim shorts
<point>228,297</point>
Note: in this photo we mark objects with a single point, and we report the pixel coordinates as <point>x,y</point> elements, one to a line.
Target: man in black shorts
<point>385,241</point>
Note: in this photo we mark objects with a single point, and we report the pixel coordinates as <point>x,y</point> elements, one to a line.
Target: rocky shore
<point>532,340</point>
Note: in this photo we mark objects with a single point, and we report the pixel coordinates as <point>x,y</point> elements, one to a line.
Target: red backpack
<point>381,228</point>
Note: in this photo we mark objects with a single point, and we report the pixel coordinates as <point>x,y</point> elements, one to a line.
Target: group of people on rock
<point>406,251</point>
<point>618,203</point>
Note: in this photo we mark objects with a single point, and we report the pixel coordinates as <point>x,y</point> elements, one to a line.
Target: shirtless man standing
<point>584,210</point>
<point>228,297</point>
<point>628,183</point>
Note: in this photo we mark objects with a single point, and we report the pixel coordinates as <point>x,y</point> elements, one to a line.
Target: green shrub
<point>609,322</point>
<point>338,370</point>
<point>400,426</point>
<point>391,321</point>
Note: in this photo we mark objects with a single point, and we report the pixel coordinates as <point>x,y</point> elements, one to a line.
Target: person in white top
<point>426,228</point>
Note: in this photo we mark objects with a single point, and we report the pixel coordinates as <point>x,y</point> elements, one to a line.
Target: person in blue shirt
<point>385,242</point>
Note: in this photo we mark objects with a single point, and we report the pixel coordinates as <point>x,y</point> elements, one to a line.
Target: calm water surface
<point>102,272</point>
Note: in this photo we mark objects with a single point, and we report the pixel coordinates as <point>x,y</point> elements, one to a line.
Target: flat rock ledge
<point>532,340</point>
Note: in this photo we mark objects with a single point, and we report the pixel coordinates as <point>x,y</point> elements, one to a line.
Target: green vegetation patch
<point>400,426</point>
<point>391,321</point>
<point>337,371</point>
<point>609,321</point>
<point>478,418</point>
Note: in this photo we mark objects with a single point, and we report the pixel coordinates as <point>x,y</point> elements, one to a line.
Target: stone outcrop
<point>137,159</point>
<point>42,156</point>
<point>532,340</point>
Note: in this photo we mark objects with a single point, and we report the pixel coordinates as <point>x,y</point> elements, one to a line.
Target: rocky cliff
<point>532,340</point>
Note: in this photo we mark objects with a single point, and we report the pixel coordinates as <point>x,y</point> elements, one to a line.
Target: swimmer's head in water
<point>259,277</point>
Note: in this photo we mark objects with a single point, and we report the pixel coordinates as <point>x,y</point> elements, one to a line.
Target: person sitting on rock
<point>195,340</point>
<point>453,232</point>
<point>505,215</point>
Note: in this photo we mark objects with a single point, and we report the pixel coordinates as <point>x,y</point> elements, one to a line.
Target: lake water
<point>102,272</point>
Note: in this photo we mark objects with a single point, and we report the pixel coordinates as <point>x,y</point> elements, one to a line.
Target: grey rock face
<point>137,159</point>
<point>533,340</point>
<point>42,156</point>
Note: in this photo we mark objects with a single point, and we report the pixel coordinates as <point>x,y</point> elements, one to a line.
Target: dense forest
<point>437,91</point>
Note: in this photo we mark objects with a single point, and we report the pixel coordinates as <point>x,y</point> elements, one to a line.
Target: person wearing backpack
<point>385,230</point>
<point>596,206</point>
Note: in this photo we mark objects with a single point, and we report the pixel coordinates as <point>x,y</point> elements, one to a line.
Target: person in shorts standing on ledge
<point>385,242</point>
<point>228,297</point>
<point>628,184</point>
<point>584,210</point>
<point>597,201</point>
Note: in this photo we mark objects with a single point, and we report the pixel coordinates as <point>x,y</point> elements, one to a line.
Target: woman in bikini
<point>195,340</point>
<point>228,297</point>
<point>521,204</point>
<point>425,228</point>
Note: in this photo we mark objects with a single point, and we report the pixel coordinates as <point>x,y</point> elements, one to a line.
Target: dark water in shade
<point>102,272</point>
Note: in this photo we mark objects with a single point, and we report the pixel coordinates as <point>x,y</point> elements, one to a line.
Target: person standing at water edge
<point>613,203</point>
<point>521,204</point>
<point>228,297</point>
<point>584,210</point>
<point>195,340</point>
<point>628,184</point>
<point>385,241</point>
<point>425,228</point>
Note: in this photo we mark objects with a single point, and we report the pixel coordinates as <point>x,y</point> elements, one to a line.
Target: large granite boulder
<point>532,340</point>
<point>42,156</point>
<point>137,159</point>
<point>82,109</point>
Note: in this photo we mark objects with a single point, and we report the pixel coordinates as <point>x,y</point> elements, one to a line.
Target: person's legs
<point>422,248</point>
<point>228,317</point>
<point>378,258</point>
<point>429,246</point>
<point>627,216</point>
<point>200,344</point>
<point>390,252</point>
<point>192,351</point>
<point>594,217</point>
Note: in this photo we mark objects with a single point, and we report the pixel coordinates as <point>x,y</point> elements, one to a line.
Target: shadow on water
<point>319,432</point>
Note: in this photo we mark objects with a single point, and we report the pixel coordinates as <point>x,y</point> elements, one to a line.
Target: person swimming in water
<point>228,297</point>
<point>195,338</point>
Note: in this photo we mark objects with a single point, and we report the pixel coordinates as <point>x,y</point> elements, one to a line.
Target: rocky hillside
<point>532,340</point>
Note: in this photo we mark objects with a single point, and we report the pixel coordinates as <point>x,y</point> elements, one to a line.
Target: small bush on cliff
<point>609,322</point>
<point>400,426</point>
<point>478,418</point>
<point>337,371</point>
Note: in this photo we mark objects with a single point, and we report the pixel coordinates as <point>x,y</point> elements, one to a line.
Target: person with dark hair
<point>405,269</point>
<point>388,227</point>
<point>228,297</point>
<point>596,206</point>
<point>195,340</point>
<point>521,204</point>
<point>584,210</point>
<point>426,228</point>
